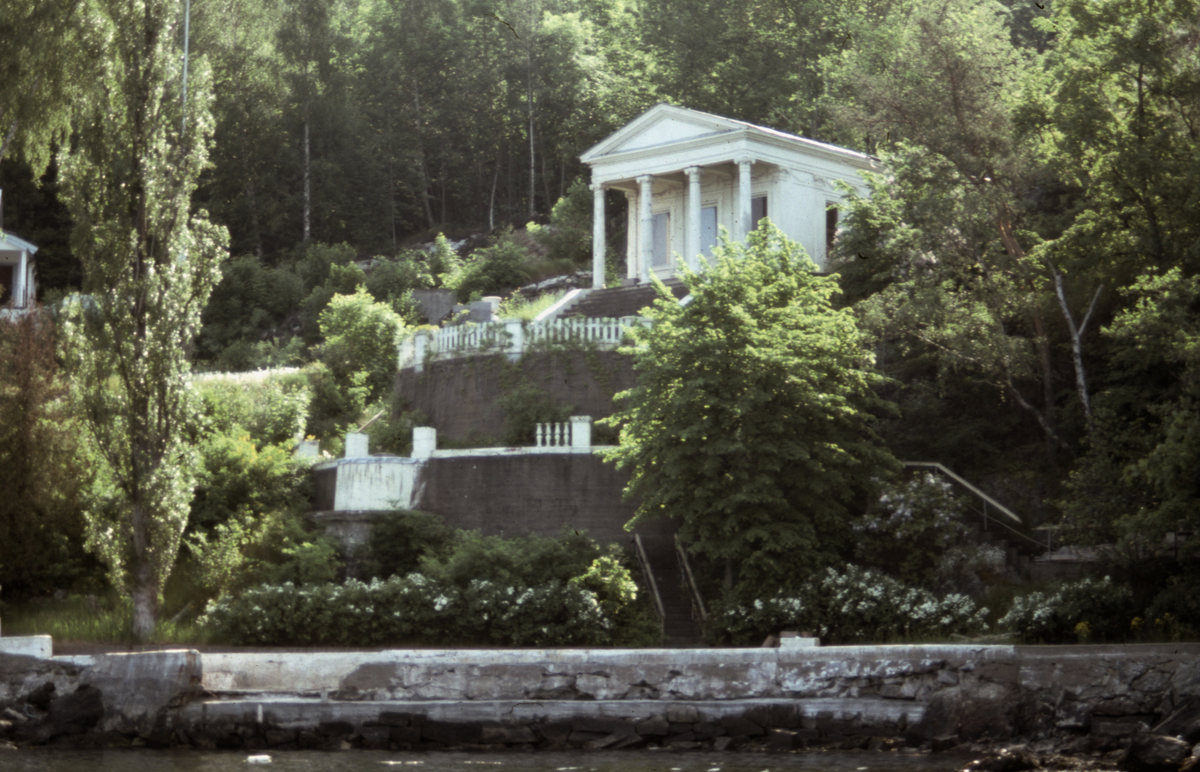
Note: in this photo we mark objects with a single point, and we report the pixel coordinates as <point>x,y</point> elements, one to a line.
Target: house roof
<point>667,125</point>
<point>12,243</point>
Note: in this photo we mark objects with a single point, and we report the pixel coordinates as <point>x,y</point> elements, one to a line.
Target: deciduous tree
<point>751,420</point>
<point>149,266</point>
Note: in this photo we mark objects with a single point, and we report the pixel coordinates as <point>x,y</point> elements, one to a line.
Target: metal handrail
<point>983,497</point>
<point>698,609</point>
<point>644,561</point>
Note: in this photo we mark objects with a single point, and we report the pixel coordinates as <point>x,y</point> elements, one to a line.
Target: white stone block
<point>356,446</point>
<point>40,646</point>
<point>796,642</point>
<point>307,449</point>
<point>581,431</point>
<point>424,441</point>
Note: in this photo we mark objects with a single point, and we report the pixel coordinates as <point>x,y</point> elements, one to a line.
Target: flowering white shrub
<point>1104,609</point>
<point>855,605</point>
<point>413,608</point>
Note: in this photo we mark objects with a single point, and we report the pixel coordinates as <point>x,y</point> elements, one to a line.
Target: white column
<point>581,431</point>
<point>19,300</point>
<point>691,239</point>
<point>424,441</point>
<point>631,229</point>
<point>645,227</point>
<point>743,199</point>
<point>597,237</point>
<point>356,446</point>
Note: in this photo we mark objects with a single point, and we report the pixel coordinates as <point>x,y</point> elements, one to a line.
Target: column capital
<point>645,179</point>
<point>692,171</point>
<point>597,186</point>
<point>746,160</point>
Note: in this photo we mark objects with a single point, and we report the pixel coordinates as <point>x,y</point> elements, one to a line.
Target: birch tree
<point>149,266</point>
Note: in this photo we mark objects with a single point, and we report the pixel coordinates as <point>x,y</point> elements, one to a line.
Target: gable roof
<point>664,125</point>
<point>11,243</point>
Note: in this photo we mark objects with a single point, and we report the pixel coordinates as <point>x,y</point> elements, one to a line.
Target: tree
<point>41,473</point>
<point>149,266</point>
<point>50,51</point>
<point>751,419</point>
<point>361,336</point>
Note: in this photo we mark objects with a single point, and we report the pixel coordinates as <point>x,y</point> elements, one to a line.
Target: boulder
<point>1150,752</point>
<point>74,713</point>
<point>1183,722</point>
<point>1017,758</point>
<point>139,687</point>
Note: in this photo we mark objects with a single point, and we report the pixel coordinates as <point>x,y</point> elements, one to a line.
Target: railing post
<point>420,346</point>
<point>581,431</point>
<point>424,441</point>
<point>516,338</point>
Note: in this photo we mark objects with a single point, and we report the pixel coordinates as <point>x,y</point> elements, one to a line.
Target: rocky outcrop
<point>116,698</point>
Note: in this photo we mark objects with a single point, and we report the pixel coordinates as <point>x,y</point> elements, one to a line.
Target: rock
<point>451,733</point>
<point>682,714</point>
<point>7,746</point>
<point>74,713</point>
<point>1013,759</point>
<point>971,711</point>
<point>721,743</point>
<point>1149,752</point>
<point>943,742</point>
<point>14,716</point>
<point>138,687</point>
<point>42,696</point>
<point>656,726</point>
<point>375,737</point>
<point>1184,721</point>
<point>1192,764</point>
<point>783,740</point>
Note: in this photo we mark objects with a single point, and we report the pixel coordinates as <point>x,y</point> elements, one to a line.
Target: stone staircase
<point>680,630</point>
<point>619,302</point>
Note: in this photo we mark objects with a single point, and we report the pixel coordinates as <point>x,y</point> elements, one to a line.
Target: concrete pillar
<point>743,199</point>
<point>424,441</point>
<point>515,329</point>
<point>581,431</point>
<point>356,446</point>
<point>691,241</point>
<point>420,348</point>
<point>307,449</point>
<point>19,284</point>
<point>597,237</point>
<point>631,229</point>
<point>645,227</point>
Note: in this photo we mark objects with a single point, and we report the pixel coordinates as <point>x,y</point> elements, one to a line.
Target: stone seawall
<point>1096,697</point>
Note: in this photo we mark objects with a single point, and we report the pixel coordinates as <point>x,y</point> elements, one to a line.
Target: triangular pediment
<point>659,126</point>
<point>9,242</point>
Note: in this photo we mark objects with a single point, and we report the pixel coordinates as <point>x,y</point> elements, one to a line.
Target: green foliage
<point>611,583</point>
<point>494,270</point>
<point>517,307</point>
<point>911,529</point>
<point>361,336</point>
<point>238,477</point>
<point>525,405</point>
<point>250,301</point>
<point>854,605</point>
<point>272,407</point>
<point>400,538</point>
<point>568,237</point>
<point>149,266</point>
<point>336,402</point>
<point>750,419</point>
<point>1055,617</point>
<point>411,609</point>
<point>527,560</point>
<point>42,468</point>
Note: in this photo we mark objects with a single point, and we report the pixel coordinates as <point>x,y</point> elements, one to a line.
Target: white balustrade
<point>513,336</point>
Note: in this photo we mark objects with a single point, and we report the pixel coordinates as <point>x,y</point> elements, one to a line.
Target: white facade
<point>18,286</point>
<point>685,173</point>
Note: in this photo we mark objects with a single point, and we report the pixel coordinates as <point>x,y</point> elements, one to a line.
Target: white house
<point>684,173</point>
<point>18,285</point>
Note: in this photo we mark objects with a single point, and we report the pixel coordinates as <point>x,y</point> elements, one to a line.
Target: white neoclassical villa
<point>684,173</point>
<point>18,285</point>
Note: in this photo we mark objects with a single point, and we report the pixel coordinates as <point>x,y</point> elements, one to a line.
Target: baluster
<point>541,435</point>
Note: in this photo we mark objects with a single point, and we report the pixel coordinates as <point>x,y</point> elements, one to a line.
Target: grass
<point>517,307</point>
<point>79,619</point>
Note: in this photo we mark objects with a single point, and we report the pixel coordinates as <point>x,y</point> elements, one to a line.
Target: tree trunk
<point>1077,341</point>
<point>421,158</point>
<point>144,592</point>
<point>307,180</point>
<point>529,101</point>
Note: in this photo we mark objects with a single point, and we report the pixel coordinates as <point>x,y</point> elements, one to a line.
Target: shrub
<point>400,538</point>
<point>910,530</point>
<point>855,605</point>
<point>413,608</point>
<point>270,407</point>
<point>238,477</point>
<point>361,336</point>
<point>494,270</point>
<point>1053,617</point>
<point>568,237</point>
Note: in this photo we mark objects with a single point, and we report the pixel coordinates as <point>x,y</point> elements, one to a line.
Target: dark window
<point>831,223</point>
<point>661,228</point>
<point>708,230</point>
<point>6,283</point>
<point>758,210</point>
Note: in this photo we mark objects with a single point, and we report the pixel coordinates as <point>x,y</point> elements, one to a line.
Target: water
<point>141,760</point>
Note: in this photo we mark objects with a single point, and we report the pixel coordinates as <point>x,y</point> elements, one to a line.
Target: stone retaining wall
<point>870,696</point>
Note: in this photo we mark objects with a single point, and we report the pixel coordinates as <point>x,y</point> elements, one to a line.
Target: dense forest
<point>1028,268</point>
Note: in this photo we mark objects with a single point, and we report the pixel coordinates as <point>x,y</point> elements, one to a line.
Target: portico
<point>685,174</point>
<point>17,276</point>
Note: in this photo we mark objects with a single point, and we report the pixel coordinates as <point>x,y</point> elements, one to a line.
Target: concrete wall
<point>461,397</point>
